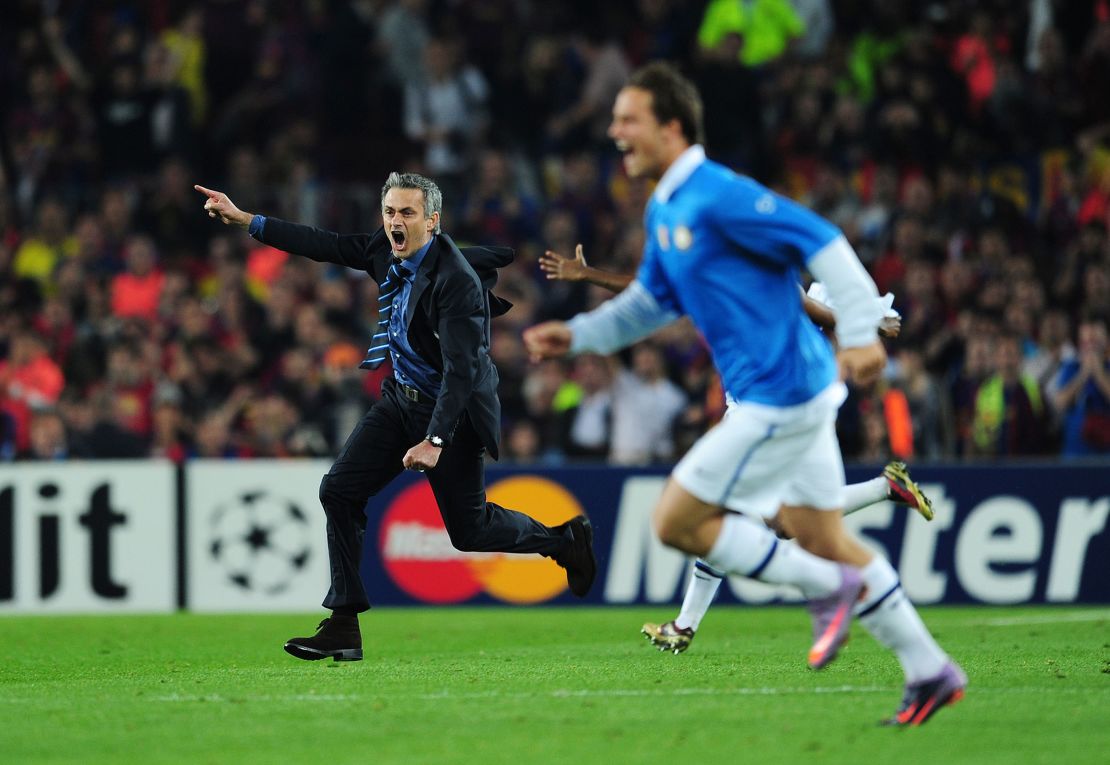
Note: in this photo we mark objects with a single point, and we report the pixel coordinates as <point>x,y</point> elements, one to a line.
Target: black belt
<point>414,394</point>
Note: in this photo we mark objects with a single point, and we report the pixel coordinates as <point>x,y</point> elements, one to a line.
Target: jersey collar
<point>681,169</point>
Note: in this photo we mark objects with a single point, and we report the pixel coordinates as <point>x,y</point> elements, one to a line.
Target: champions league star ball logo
<point>260,541</point>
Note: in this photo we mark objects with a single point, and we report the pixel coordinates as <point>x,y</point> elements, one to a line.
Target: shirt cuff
<point>258,222</point>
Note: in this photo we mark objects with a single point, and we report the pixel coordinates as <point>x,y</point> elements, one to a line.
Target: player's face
<point>637,133</point>
<point>404,221</point>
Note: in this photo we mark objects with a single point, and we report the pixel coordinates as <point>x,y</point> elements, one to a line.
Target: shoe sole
<point>925,712</point>
<point>827,646</point>
<point>665,644</point>
<point>931,707</point>
<point>311,654</point>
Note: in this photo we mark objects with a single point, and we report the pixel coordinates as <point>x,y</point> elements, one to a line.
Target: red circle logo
<point>417,554</point>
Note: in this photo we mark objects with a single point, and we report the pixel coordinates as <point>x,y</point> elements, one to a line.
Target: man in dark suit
<point>439,412</point>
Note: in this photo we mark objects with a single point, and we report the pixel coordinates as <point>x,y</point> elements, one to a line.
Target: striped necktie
<point>387,290</point>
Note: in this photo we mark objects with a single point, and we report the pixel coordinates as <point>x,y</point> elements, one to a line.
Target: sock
<point>751,549</point>
<point>888,615</point>
<point>860,495</point>
<point>344,613</point>
<point>704,583</point>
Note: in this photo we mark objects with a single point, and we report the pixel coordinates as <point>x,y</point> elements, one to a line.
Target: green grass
<point>488,686</point>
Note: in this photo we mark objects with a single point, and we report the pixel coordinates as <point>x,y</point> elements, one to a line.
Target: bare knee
<point>685,523</point>
<point>670,530</point>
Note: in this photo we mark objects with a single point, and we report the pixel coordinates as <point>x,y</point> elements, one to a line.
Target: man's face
<point>638,134</point>
<point>404,221</point>
<point>1092,338</point>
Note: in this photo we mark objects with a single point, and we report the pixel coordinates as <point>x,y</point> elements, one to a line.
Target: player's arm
<point>565,269</point>
<point>819,313</point>
<point>861,355</point>
<point>825,317</point>
<point>630,316</point>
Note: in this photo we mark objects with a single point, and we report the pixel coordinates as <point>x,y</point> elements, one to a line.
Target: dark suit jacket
<point>448,319</point>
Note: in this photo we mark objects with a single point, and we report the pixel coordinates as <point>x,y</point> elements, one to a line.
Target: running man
<point>727,252</point>
<point>894,484</point>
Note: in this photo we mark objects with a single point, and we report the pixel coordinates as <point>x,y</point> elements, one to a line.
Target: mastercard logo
<point>417,554</point>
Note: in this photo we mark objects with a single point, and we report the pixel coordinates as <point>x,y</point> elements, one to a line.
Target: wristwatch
<point>434,440</point>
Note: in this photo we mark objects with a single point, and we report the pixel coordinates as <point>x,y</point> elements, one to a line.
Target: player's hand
<point>219,206</point>
<point>549,340</point>
<point>422,457</point>
<point>862,365</point>
<point>564,269</point>
<point>890,326</point>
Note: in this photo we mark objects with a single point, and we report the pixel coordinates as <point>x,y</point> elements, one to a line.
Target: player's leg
<point>895,485</point>
<point>931,677</point>
<point>676,635</point>
<point>745,463</point>
<point>864,494</point>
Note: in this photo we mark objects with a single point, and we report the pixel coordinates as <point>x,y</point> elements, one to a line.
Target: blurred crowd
<point>962,145</point>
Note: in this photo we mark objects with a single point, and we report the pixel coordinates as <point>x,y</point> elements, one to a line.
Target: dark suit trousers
<point>371,458</point>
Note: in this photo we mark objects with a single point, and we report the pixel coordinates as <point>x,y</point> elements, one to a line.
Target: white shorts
<point>760,457</point>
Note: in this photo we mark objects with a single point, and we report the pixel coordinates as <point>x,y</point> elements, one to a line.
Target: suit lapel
<point>421,281</point>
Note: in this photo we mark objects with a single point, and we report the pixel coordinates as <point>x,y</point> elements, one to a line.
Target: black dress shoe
<point>578,557</point>
<point>337,637</point>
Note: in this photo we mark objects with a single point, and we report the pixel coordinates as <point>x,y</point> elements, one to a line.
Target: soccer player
<point>894,484</point>
<point>727,252</point>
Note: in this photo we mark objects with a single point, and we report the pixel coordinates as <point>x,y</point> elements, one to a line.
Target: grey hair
<point>433,197</point>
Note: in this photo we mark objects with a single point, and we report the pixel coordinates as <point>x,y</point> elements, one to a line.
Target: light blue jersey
<point>727,251</point>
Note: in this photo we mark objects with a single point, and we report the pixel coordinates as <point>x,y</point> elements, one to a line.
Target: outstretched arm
<point>564,269</point>
<point>630,316</point>
<point>351,250</point>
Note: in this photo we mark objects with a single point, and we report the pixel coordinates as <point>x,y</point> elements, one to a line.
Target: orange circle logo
<point>417,552</point>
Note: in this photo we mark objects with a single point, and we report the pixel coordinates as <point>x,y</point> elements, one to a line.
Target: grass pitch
<point>485,686</point>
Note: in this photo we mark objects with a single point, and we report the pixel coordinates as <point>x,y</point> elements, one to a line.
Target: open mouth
<point>398,235</point>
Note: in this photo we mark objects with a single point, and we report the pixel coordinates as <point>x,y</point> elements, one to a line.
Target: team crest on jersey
<point>663,237</point>
<point>683,238</point>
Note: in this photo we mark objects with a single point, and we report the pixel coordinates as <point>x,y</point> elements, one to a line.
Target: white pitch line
<point>556,694</point>
<point>1017,621</point>
<point>587,693</point>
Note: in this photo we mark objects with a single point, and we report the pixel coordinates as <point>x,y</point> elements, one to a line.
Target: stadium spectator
<point>1009,417</point>
<point>764,27</point>
<point>588,423</point>
<point>137,292</point>
<point>646,405</point>
<point>445,111</point>
<point>1083,392</point>
<point>29,380</point>
<point>47,437</point>
<point>44,250</point>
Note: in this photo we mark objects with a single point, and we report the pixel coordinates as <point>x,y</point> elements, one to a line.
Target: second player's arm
<point>575,270</point>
